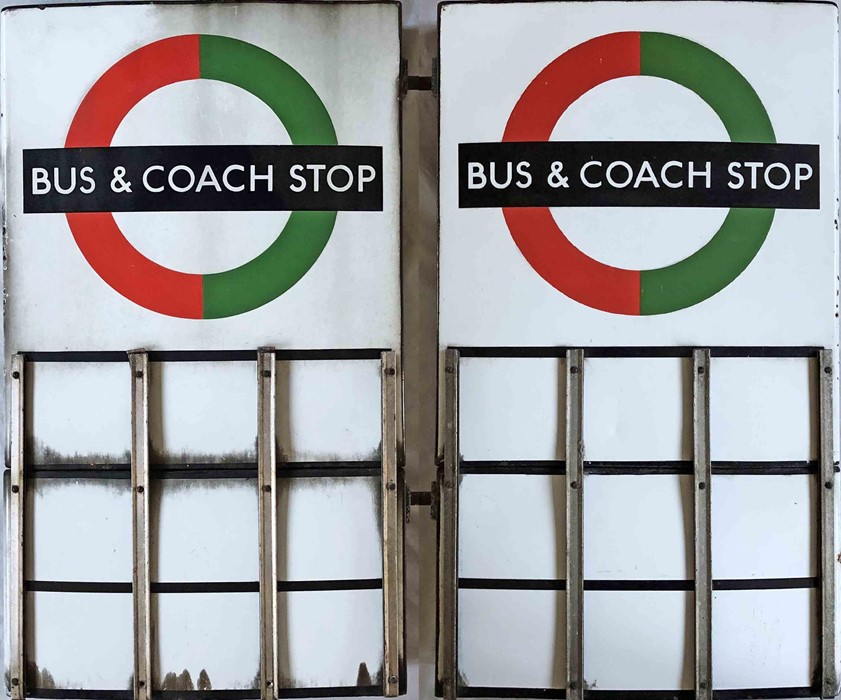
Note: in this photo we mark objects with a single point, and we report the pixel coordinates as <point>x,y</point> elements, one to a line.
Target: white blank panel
<point>637,409</point>
<point>328,410</point>
<point>638,527</point>
<point>214,633</point>
<point>764,527</point>
<point>512,408</point>
<point>78,412</point>
<point>512,526</point>
<point>762,409</point>
<point>80,530</point>
<point>81,640</point>
<point>764,639</point>
<point>639,640</point>
<point>326,637</point>
<point>206,530</point>
<point>203,411</point>
<point>328,528</point>
<point>512,639</point>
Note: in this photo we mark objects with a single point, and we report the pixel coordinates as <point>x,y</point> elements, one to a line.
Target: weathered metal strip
<point>267,485</point>
<point>448,533</point>
<point>17,504</point>
<point>141,590</point>
<point>826,380</point>
<point>391,529</point>
<point>703,536</point>
<point>574,525</point>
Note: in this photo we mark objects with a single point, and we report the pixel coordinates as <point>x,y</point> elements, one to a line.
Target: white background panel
<point>217,633</point>
<point>638,527</point>
<point>512,526</point>
<point>203,411</point>
<point>204,530</point>
<point>512,639</point>
<point>777,540</point>
<point>65,424</point>
<point>328,528</point>
<point>326,635</point>
<point>79,530</point>
<point>638,640</point>
<point>761,408</point>
<point>637,409</point>
<point>82,640</point>
<point>512,408</point>
<point>764,638</point>
<point>328,410</point>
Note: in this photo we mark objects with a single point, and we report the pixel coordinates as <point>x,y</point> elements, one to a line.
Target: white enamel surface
<point>512,639</point>
<point>203,411</point>
<point>84,640</point>
<point>777,540</point>
<point>349,298</point>
<point>512,408</point>
<point>80,530</point>
<point>218,633</point>
<point>490,52</point>
<point>205,530</point>
<point>638,640</point>
<point>325,636</point>
<point>79,412</point>
<point>328,410</point>
<point>762,409</point>
<point>638,527</point>
<point>764,638</point>
<point>512,526</point>
<point>328,529</point>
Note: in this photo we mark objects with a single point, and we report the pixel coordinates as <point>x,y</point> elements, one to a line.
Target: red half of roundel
<point>96,121</point>
<point>534,117</point>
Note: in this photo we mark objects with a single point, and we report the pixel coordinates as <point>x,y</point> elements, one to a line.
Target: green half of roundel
<point>305,118</point>
<point>736,243</point>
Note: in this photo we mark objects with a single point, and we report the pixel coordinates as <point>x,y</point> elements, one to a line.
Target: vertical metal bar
<point>267,485</point>
<point>139,362</point>
<point>703,537</point>
<point>448,529</point>
<point>17,503</point>
<point>826,381</point>
<point>390,528</point>
<point>574,525</point>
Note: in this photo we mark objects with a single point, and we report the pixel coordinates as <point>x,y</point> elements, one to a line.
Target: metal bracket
<point>703,536</point>
<point>826,381</point>
<point>392,528</point>
<point>574,525</point>
<point>141,588</point>
<point>267,485</point>
<point>448,534</point>
<point>17,504</point>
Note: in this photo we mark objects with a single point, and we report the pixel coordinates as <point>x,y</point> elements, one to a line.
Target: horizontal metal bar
<point>467,691</point>
<point>361,584</point>
<point>78,586</point>
<point>207,587</point>
<point>639,694</point>
<point>79,694</point>
<point>640,468</point>
<point>766,693</point>
<point>354,691</point>
<point>552,693</point>
<point>515,584</point>
<point>244,694</point>
<point>639,352</point>
<point>103,356</point>
<point>536,467</point>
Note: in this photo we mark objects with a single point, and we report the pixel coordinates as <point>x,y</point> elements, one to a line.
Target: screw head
<point>702,485</point>
<point>15,375</point>
<point>15,488</point>
<point>827,370</point>
<point>392,679</point>
<point>267,488</point>
<point>573,370</point>
<point>701,370</point>
<point>573,485</point>
<point>140,489</point>
<point>139,375</point>
<point>702,685</point>
<point>15,681</point>
<point>141,684</point>
<point>267,373</point>
<point>391,371</point>
<point>391,486</point>
<point>449,369</point>
<point>828,484</point>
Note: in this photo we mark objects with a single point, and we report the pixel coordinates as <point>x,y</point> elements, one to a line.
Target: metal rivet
<point>827,370</point>
<point>574,370</point>
<point>15,488</point>
<point>15,375</point>
<point>269,684</point>
<point>701,370</point>
<point>139,374</point>
<point>391,371</point>
<point>702,486</point>
<point>267,488</point>
<point>267,373</point>
<point>574,485</point>
<point>702,685</point>
<point>828,484</point>
<point>392,679</point>
<point>15,681</point>
<point>391,486</point>
<point>141,684</point>
<point>449,370</point>
<point>139,489</point>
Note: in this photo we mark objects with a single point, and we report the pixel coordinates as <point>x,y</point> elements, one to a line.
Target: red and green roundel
<point>264,75</point>
<point>709,269</point>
